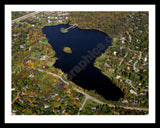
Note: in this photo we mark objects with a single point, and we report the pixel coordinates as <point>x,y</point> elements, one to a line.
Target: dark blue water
<point>86,45</point>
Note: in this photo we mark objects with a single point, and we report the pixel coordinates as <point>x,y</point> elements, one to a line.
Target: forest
<point>36,92</point>
<point>125,62</point>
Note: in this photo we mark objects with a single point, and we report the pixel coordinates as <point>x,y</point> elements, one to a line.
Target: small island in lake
<point>67,50</point>
<point>63,30</point>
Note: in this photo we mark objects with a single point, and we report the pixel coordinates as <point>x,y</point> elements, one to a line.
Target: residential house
<point>62,99</point>
<point>123,41</point>
<point>124,101</point>
<point>43,58</point>
<point>142,93</point>
<point>118,77</point>
<point>140,84</point>
<point>13,111</point>
<point>107,65</point>
<point>115,53</point>
<point>125,87</point>
<point>40,91</point>
<point>49,21</point>
<point>45,67</point>
<point>133,92</point>
<point>123,38</point>
<point>144,70</point>
<point>134,100</point>
<point>56,94</point>
<point>141,66</point>
<point>31,75</point>
<point>145,59</point>
<point>21,100</point>
<point>30,48</point>
<point>143,101</point>
<point>136,47</point>
<point>21,46</point>
<point>14,35</point>
<point>64,111</point>
<point>128,63</point>
<point>77,98</point>
<point>93,108</point>
<point>121,47</point>
<point>133,57</point>
<point>46,106</point>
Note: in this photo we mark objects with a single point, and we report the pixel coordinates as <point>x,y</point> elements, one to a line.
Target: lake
<point>86,45</point>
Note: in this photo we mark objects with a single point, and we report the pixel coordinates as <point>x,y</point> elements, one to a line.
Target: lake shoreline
<point>81,41</point>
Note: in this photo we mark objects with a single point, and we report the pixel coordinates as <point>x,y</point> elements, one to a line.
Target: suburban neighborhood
<point>38,88</point>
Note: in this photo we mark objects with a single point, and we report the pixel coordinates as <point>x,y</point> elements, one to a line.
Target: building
<point>43,58</point>
<point>13,111</point>
<point>107,65</point>
<point>21,46</point>
<point>123,41</point>
<point>125,87</point>
<point>133,92</point>
<point>128,68</point>
<point>46,106</point>
<point>145,59</point>
<point>45,67</point>
<point>134,100</point>
<point>115,53</point>
<point>118,77</point>
<point>124,101</point>
<point>93,108</point>
<point>143,101</point>
<point>31,75</point>
<point>127,63</point>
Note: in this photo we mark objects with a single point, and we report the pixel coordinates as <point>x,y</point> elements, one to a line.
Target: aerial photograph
<point>80,63</point>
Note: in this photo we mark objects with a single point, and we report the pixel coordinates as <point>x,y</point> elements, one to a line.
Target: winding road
<point>128,81</point>
<point>85,94</point>
<point>15,98</point>
<point>134,65</point>
<point>88,96</point>
<point>123,58</point>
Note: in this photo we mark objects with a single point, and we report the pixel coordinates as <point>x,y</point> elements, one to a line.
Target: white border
<point>150,118</point>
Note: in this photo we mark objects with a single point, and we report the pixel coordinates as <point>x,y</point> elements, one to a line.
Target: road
<point>134,65</point>
<point>25,16</point>
<point>55,75</point>
<point>52,75</point>
<point>130,38</point>
<point>16,97</point>
<point>32,14</point>
<point>130,83</point>
<point>123,58</point>
<point>88,96</point>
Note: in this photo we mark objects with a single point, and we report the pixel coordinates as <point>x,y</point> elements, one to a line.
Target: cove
<point>86,46</point>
